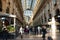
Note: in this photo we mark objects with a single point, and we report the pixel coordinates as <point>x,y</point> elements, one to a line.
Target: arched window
<point>13,12</point>
<point>57,11</point>
<point>45,17</point>
<point>50,16</point>
<point>7,10</point>
<point>0,5</point>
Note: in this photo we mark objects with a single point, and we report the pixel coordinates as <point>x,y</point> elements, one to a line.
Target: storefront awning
<point>6,15</point>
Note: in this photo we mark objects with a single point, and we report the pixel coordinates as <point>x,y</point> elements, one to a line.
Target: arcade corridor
<point>29,19</point>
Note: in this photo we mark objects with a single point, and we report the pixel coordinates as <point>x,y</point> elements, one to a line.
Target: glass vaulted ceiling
<point>28,4</point>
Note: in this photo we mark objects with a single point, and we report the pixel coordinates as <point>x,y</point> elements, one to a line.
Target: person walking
<point>21,31</point>
<point>5,33</point>
<point>39,29</point>
<point>44,32</point>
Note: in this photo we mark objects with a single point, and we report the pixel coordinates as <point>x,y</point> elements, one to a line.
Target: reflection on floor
<point>36,37</point>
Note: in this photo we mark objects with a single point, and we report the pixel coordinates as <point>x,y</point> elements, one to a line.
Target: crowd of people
<point>34,30</point>
<point>28,30</point>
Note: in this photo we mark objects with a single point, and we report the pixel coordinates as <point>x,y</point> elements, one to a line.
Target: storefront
<point>8,21</point>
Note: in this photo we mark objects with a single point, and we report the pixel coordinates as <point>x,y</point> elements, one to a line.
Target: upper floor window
<point>7,10</point>
<point>13,12</point>
<point>57,12</point>
<point>45,17</point>
<point>50,16</point>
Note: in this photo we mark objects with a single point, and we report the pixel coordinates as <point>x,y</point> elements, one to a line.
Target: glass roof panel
<point>28,4</point>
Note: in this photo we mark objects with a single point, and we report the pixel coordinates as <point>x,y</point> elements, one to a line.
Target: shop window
<point>6,22</point>
<point>0,5</point>
<point>12,21</point>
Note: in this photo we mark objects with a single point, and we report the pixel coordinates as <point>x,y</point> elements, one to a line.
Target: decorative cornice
<point>19,6</point>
